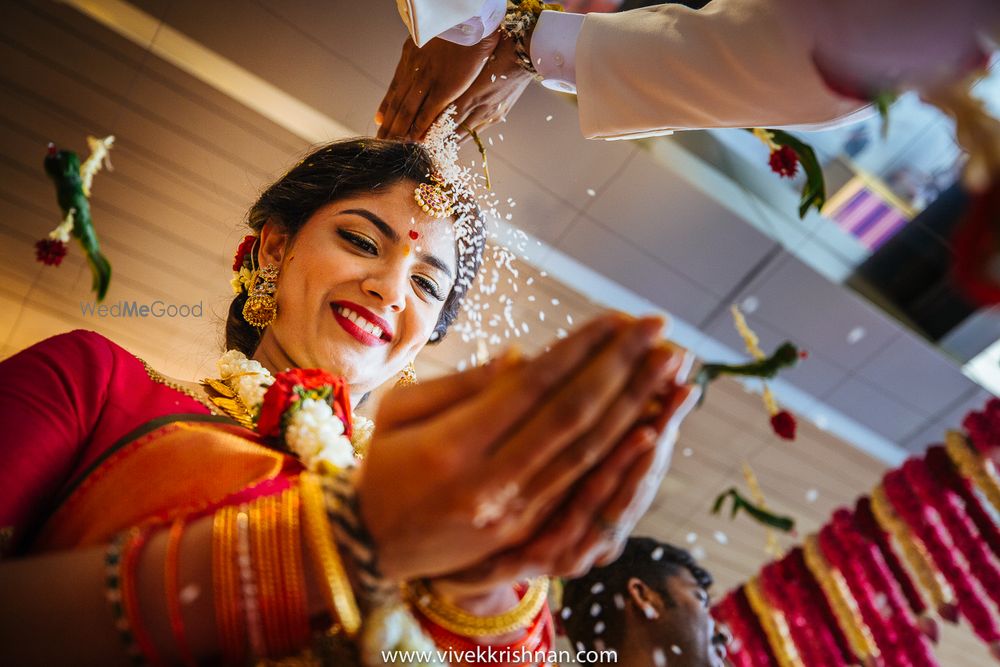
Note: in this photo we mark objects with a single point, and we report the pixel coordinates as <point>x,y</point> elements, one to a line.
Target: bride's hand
<point>460,466</point>
<point>591,526</point>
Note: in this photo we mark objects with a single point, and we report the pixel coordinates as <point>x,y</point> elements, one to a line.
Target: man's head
<point>651,606</point>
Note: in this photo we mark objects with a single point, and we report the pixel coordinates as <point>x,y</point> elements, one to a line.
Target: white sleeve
<point>734,63</point>
<point>464,22</point>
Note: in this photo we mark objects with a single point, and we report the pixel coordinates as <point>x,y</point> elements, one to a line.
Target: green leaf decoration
<point>882,102</point>
<point>786,356</point>
<point>63,168</point>
<point>759,514</point>
<point>814,190</point>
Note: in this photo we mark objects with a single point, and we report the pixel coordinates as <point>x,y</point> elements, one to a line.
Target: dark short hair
<point>604,590</point>
<point>337,171</point>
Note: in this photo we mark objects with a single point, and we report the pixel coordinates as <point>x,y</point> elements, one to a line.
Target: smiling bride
<point>253,516</point>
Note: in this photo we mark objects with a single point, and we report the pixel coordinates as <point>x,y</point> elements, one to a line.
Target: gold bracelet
<point>461,622</point>
<point>337,589</point>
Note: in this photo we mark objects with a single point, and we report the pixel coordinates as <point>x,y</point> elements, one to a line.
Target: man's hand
<point>426,81</point>
<point>489,98</point>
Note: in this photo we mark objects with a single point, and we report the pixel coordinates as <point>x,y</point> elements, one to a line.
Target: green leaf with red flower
<point>814,189</point>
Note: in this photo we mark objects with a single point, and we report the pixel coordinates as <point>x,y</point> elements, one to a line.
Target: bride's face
<point>360,287</point>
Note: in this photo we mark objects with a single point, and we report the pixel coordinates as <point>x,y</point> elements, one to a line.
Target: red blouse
<point>63,403</point>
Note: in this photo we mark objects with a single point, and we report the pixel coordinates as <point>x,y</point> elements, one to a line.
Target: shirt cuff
<point>475,29</point>
<point>553,49</point>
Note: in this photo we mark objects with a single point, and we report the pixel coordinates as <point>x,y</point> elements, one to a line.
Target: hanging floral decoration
<point>759,513</point>
<point>73,182</point>
<point>763,366</point>
<point>857,591</point>
<point>787,153</point>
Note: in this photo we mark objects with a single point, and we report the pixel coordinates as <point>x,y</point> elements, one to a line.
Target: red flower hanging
<point>784,162</point>
<point>50,251</point>
<point>783,423</point>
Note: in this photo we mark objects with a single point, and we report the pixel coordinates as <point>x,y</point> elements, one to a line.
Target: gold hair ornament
<point>434,198</point>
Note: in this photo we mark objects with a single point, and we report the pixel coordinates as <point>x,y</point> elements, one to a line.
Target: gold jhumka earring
<point>261,309</point>
<point>407,376</point>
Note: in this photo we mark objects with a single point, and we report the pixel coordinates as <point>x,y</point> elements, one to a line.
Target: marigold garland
<point>957,524</point>
<point>844,561</point>
<point>970,603</point>
<point>944,471</point>
<point>866,559</point>
<point>973,467</point>
<point>749,646</point>
<point>868,526</point>
<point>776,592</point>
<point>816,609</point>
<point>916,556</point>
<point>774,625</point>
<point>843,605</point>
<point>983,427</point>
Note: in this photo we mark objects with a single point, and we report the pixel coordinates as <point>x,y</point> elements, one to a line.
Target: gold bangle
<point>337,591</point>
<point>226,587</point>
<point>461,622</point>
<point>294,575</point>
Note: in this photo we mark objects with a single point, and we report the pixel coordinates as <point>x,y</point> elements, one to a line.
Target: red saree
<point>95,442</point>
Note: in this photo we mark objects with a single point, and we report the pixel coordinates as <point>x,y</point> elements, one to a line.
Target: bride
<point>153,520</point>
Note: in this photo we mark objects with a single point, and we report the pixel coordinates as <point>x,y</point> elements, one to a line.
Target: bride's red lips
<point>365,337</point>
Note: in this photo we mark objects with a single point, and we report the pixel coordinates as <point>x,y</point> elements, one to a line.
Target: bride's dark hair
<point>337,171</point>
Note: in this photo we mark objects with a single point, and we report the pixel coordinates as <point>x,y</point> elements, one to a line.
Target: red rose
<point>50,251</point>
<point>246,245</point>
<point>784,162</point>
<point>784,424</point>
<point>282,394</point>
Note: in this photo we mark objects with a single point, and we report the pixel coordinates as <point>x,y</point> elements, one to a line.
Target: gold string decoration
<point>844,606</point>
<point>773,548</point>
<point>752,344</point>
<point>774,624</point>
<point>913,550</point>
<point>973,467</point>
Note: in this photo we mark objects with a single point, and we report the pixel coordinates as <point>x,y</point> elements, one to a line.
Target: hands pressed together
<point>483,81</point>
<point>526,467</point>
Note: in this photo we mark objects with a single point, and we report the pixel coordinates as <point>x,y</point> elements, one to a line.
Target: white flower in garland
<point>302,413</point>
<point>315,433</point>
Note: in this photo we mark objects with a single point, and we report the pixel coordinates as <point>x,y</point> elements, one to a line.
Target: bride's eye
<point>429,286</point>
<point>360,241</point>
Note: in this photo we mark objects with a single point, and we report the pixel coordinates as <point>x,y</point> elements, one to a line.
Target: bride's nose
<point>389,288</point>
